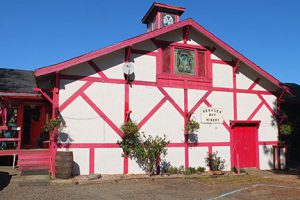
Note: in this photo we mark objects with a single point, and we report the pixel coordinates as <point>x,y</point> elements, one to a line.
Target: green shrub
<point>181,169</point>
<point>234,169</point>
<point>200,169</point>
<point>146,149</point>
<point>214,162</point>
<point>173,170</point>
<point>286,128</point>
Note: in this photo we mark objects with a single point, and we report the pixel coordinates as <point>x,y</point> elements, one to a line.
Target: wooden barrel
<point>64,164</point>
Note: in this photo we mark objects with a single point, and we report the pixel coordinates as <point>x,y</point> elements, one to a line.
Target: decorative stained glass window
<point>184,62</point>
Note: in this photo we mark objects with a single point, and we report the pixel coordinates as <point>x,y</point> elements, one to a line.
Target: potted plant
<point>192,126</point>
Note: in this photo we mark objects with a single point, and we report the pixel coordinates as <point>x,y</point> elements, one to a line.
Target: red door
<point>244,145</point>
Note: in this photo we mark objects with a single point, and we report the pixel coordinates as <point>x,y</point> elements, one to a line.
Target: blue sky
<point>37,33</point>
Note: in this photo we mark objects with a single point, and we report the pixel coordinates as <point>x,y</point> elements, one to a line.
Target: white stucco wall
<point>224,153</point>
<point>84,125</point>
<point>144,67</point>
<point>266,157</point>
<point>222,75</point>
<point>108,161</point>
<point>197,157</point>
<point>111,64</point>
<point>175,156</point>
<point>246,104</point>
<point>68,88</point>
<point>166,121</point>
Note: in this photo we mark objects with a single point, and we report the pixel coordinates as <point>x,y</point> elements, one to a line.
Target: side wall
<point>94,100</point>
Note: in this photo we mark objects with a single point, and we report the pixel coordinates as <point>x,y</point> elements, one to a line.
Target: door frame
<point>254,123</point>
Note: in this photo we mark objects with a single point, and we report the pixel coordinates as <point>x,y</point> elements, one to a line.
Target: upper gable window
<point>184,62</point>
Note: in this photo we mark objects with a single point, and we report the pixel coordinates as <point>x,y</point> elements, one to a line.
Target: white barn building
<point>180,69</point>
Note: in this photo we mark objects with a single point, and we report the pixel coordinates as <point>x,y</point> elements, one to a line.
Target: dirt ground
<point>255,185</point>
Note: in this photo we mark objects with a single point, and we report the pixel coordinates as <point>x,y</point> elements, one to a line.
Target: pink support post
<point>55,105</point>
<point>238,163</point>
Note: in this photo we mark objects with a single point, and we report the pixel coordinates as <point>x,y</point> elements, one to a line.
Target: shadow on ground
<point>5,178</point>
<point>290,171</point>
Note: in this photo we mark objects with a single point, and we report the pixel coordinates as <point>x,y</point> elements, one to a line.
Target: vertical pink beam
<point>126,110</point>
<point>126,106</point>
<point>238,163</point>
<point>186,146</point>
<point>234,95</point>
<point>92,161</point>
<point>234,110</point>
<point>53,144</point>
<point>20,123</point>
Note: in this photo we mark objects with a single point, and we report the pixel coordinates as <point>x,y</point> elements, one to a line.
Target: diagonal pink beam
<point>101,114</point>
<point>97,69</point>
<point>254,84</point>
<point>196,106</point>
<point>255,111</point>
<point>267,104</point>
<point>169,98</point>
<point>224,123</point>
<point>74,96</point>
<point>152,112</point>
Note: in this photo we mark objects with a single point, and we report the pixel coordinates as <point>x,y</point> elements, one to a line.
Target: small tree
<point>146,149</point>
<point>214,162</point>
<point>152,149</point>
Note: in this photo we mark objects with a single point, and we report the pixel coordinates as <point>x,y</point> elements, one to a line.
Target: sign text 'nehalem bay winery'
<point>211,115</point>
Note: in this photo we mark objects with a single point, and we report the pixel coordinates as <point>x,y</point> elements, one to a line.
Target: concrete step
<point>35,172</point>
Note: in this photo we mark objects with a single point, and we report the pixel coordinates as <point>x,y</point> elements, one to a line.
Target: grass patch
<point>233,180</point>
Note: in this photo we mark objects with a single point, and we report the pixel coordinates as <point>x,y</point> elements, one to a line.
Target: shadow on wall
<point>269,151</point>
<point>289,171</point>
<point>4,180</point>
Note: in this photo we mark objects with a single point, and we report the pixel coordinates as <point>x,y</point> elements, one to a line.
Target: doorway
<point>245,143</point>
<point>33,121</point>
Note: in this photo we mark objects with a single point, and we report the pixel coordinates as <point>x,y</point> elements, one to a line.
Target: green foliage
<point>214,162</point>
<point>201,169</point>
<point>52,124</point>
<point>146,149</point>
<point>286,128</point>
<point>181,170</point>
<point>192,126</point>
<point>173,170</point>
<point>131,139</point>
<point>150,150</point>
<point>234,169</point>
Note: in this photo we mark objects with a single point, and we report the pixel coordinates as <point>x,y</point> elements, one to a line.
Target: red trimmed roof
<point>149,35</point>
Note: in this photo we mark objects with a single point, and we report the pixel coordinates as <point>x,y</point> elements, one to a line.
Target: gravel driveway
<point>255,186</point>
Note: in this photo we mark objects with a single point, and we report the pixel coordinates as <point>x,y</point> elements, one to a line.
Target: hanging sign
<point>211,115</point>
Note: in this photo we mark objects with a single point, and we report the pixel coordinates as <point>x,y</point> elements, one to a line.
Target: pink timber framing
<point>186,112</point>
